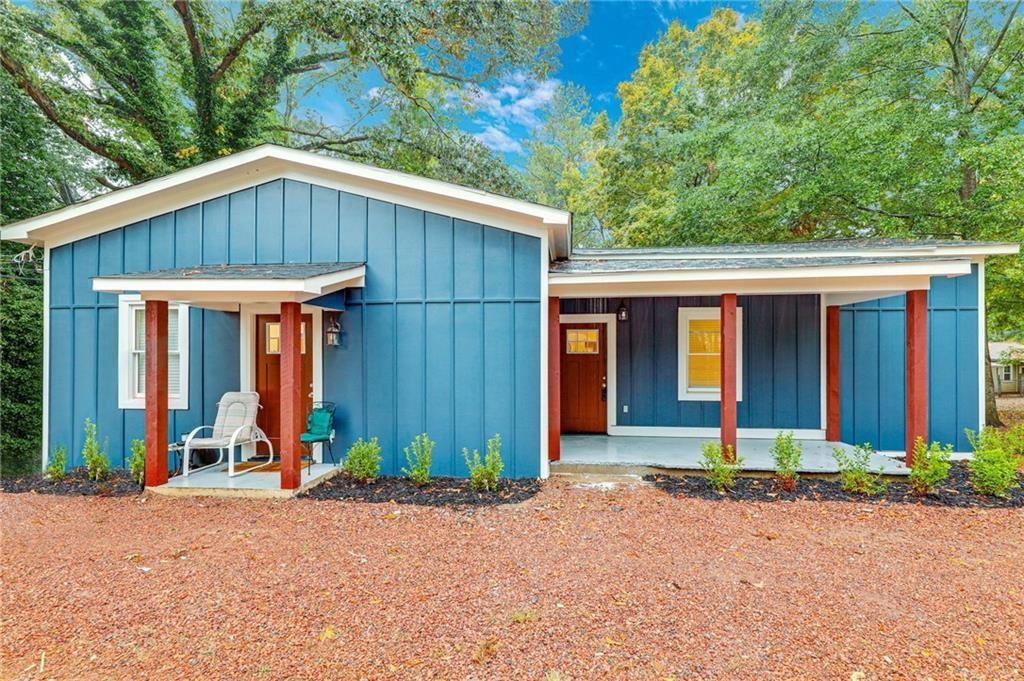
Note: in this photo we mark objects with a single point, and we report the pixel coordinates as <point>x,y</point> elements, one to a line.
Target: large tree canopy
<point>151,87</point>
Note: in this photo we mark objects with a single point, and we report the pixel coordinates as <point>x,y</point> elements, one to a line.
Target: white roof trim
<point>297,289</point>
<point>923,250</point>
<point>269,162</point>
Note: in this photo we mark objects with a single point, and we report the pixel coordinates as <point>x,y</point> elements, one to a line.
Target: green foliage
<point>56,467</point>
<point>97,465</point>
<point>137,464</point>
<point>1013,442</point>
<point>483,475</point>
<point>993,468</point>
<point>855,470</point>
<point>418,455</point>
<point>930,466</point>
<point>362,462</point>
<point>721,473</point>
<point>787,454</point>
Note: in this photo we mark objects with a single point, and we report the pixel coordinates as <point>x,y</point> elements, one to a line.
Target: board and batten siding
<point>444,339</point>
<point>873,374</point>
<point>781,362</point>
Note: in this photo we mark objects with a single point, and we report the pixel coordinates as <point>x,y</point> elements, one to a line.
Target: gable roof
<point>269,162</point>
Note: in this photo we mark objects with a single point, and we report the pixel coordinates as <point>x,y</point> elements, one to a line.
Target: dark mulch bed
<point>956,491</point>
<point>438,492</point>
<point>76,483</point>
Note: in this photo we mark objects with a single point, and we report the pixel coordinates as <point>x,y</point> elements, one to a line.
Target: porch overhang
<point>843,280</point>
<point>227,286</point>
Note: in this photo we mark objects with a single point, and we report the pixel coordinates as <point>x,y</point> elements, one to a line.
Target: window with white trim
<point>1007,372</point>
<point>131,366</point>
<point>699,348</point>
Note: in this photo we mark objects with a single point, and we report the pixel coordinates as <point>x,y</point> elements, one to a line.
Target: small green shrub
<point>930,467</point>
<point>137,464</point>
<point>993,468</point>
<point>721,473</point>
<point>1013,443</point>
<point>57,465</point>
<point>362,462</point>
<point>788,455</point>
<point>97,465</point>
<point>418,455</point>
<point>855,470</point>
<point>483,475</point>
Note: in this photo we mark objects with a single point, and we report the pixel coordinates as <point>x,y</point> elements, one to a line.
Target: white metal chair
<point>235,426</point>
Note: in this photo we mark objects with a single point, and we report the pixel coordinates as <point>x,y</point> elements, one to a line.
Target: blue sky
<point>599,57</point>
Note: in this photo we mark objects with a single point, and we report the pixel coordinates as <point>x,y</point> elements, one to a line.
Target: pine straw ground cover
<point>579,583</point>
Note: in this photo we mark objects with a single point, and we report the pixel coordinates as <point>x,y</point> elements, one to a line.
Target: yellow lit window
<point>700,347</point>
<point>273,335</point>
<point>582,341</point>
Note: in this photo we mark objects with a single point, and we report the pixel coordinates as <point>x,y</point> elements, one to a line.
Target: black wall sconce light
<point>332,329</point>
<point>623,313</point>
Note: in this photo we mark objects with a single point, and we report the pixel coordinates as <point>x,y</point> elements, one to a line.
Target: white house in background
<point>1009,376</point>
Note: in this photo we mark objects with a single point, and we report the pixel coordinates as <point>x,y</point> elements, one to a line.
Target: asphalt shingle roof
<point>282,271</point>
<point>782,247</point>
<point>586,265</point>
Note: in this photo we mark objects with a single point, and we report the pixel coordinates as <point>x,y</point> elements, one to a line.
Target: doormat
<point>262,467</point>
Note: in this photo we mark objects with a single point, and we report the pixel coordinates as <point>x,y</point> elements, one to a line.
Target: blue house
<point>414,305</point>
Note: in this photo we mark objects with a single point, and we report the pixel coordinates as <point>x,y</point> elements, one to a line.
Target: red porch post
<point>291,395</point>
<point>832,373</point>
<point>728,359</point>
<point>917,369</point>
<point>156,392</point>
<point>554,380</point>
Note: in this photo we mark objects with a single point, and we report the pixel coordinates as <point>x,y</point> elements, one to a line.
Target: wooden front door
<point>584,378</point>
<point>268,372</point>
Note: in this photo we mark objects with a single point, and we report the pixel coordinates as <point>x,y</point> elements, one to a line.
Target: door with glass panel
<point>268,372</point>
<point>584,380</point>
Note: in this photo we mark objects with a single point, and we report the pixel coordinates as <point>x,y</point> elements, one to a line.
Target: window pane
<point>139,371</point>
<point>273,335</point>
<point>582,341</point>
<point>172,329</point>
<point>704,371</point>
<point>139,331</point>
<point>705,335</point>
<point>173,375</point>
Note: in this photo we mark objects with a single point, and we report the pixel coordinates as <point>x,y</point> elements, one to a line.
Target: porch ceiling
<point>217,285</point>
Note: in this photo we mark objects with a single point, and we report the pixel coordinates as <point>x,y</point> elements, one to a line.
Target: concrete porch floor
<point>214,482</point>
<point>581,453</point>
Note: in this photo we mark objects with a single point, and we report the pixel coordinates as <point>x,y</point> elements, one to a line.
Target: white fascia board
<point>267,163</point>
<point>205,288</point>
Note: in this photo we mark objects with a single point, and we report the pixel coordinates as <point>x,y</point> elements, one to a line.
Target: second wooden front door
<point>268,372</point>
<point>584,404</point>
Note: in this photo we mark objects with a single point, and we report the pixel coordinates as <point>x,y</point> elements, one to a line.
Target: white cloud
<point>515,100</point>
<point>498,140</point>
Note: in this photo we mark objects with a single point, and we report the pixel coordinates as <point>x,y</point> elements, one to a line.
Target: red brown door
<point>584,379</point>
<point>268,372</point>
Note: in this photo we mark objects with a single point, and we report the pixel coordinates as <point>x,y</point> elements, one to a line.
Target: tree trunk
<point>991,411</point>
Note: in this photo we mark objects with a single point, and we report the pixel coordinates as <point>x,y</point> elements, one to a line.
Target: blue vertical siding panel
<point>218,353</point>
<point>136,247</point>
<point>62,380</point>
<point>380,251</point>
<point>847,367</point>
<point>161,242</point>
<point>666,378</point>
<point>85,370</point>
<point>942,374</point>
<point>352,227</point>
<point>215,231</point>
<point>623,367</point>
<point>111,260</point>
<point>497,263</point>
<point>808,332</point>
<point>380,397</point>
<point>439,256</point>
<point>527,389</point>
<point>642,361</point>
<point>784,392</point>
<point>890,367</point>
<point>61,285</point>
<point>498,376</point>
<point>469,386</point>
<point>410,254</point>
<point>324,225</point>
<point>526,254</point>
<point>242,227</point>
<point>440,390</point>
<point>343,380</point>
<point>270,222</point>
<point>943,293</point>
<point>297,223</point>
<point>967,290</point>
<point>109,419</point>
<point>758,364</point>
<point>968,355</point>
<point>411,376</point>
<point>188,236</point>
<point>865,388</point>
<point>86,256</point>
<point>469,262</point>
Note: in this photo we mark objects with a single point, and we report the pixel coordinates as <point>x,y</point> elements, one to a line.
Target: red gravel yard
<point>573,583</point>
